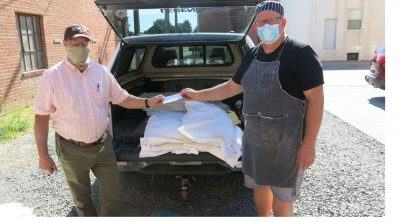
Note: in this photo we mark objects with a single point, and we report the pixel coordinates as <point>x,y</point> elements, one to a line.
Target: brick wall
<point>18,87</point>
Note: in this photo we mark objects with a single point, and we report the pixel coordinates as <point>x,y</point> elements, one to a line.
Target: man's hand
<point>189,94</point>
<point>306,156</point>
<point>47,164</point>
<point>155,101</point>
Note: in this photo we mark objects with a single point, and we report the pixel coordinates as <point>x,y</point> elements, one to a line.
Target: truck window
<point>195,55</point>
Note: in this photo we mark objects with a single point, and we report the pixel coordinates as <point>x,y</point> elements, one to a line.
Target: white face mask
<point>78,56</point>
<point>269,33</point>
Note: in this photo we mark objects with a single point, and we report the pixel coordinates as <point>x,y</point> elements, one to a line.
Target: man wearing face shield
<point>282,84</point>
<point>77,92</point>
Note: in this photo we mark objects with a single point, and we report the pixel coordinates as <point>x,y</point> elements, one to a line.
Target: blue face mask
<point>268,33</point>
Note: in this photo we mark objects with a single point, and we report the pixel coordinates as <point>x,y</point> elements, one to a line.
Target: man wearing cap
<point>77,92</point>
<point>282,84</point>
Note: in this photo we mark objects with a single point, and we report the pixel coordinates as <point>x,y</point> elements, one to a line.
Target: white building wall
<point>306,20</point>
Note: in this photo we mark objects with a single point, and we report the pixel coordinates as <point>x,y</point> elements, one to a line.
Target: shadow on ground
<point>162,196</point>
<point>378,102</point>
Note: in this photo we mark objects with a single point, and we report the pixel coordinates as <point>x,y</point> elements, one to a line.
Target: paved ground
<point>349,97</point>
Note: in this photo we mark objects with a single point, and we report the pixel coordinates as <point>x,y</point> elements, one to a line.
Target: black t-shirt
<point>299,69</point>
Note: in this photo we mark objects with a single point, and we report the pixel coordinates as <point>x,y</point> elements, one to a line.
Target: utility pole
<point>136,22</point>
<point>166,20</point>
<point>176,20</point>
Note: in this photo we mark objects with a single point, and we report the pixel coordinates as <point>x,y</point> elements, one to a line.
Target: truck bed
<point>129,126</point>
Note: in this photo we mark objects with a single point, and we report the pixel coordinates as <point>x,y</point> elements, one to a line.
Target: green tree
<point>185,27</point>
<point>158,27</point>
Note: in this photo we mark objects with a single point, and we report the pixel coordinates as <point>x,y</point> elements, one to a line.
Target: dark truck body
<point>139,67</point>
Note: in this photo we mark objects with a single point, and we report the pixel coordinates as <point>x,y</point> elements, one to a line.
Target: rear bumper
<point>172,164</point>
<point>177,168</point>
<point>374,81</point>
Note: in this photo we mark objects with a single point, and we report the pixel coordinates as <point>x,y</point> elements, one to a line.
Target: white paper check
<point>172,98</point>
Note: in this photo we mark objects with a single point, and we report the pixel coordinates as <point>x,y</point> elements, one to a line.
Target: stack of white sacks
<point>203,128</point>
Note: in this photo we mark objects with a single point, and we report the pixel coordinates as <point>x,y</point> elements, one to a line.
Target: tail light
<point>381,62</point>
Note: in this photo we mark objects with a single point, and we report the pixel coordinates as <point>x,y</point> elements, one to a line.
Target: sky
<point>147,16</point>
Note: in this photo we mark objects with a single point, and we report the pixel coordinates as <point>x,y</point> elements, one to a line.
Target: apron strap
<point>280,52</point>
<point>259,46</point>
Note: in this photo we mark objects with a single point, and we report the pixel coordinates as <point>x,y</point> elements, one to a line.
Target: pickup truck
<point>166,46</point>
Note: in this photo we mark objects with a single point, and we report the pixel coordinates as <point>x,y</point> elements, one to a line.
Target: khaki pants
<point>76,163</point>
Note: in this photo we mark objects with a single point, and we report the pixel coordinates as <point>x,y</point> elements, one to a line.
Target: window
<point>31,42</point>
<point>193,55</point>
<point>196,55</point>
<point>137,59</point>
<point>354,22</point>
<point>129,60</point>
<point>330,34</point>
<point>352,56</point>
<point>218,55</point>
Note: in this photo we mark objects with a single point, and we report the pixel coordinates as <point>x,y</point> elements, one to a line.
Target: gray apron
<point>273,126</point>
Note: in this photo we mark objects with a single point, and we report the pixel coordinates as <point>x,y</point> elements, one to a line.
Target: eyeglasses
<point>270,21</point>
<point>81,43</point>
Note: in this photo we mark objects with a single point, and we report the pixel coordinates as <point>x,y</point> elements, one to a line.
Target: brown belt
<point>82,144</point>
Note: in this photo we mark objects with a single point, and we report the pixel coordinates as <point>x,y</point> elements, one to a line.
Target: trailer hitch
<point>185,180</point>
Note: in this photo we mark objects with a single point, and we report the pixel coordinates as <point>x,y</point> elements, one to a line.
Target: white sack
<point>204,128</point>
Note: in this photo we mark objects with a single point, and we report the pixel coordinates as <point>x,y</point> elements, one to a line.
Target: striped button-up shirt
<point>78,100</point>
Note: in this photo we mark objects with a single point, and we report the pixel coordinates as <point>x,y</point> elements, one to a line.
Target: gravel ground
<point>347,179</point>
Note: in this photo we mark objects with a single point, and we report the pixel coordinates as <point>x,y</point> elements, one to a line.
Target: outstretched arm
<point>133,102</point>
<point>218,92</point>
